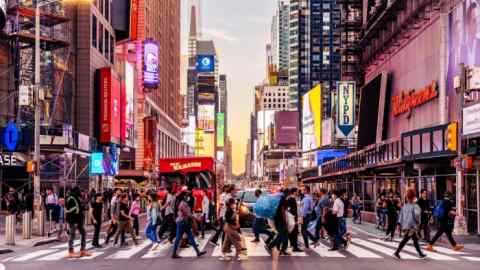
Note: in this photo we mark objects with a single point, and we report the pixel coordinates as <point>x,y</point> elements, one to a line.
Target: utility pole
<point>460,224</point>
<point>36,155</point>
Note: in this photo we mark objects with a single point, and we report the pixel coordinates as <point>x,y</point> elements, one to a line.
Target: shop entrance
<point>471,202</point>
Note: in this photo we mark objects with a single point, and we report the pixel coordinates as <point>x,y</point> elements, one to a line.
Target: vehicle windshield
<point>248,197</point>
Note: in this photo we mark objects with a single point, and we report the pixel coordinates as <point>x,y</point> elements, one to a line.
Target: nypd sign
<point>345,107</point>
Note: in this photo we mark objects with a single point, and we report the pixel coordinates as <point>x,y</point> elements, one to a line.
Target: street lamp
<point>36,155</point>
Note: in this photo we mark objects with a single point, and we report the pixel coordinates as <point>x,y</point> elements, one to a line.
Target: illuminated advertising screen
<point>206,118</point>
<point>129,104</point>
<point>205,63</point>
<point>150,66</point>
<point>110,115</point>
<point>286,128</point>
<point>96,164</point>
<point>199,138</point>
<point>208,145</point>
<point>312,119</point>
<point>220,129</point>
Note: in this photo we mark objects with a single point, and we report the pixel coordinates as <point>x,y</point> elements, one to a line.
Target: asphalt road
<point>366,252</point>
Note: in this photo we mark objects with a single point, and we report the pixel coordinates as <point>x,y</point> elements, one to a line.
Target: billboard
<point>312,119</point>
<point>220,129</point>
<point>205,63</point>
<point>286,128</point>
<point>206,117</point>
<point>471,120</point>
<point>209,145</point>
<point>150,127</point>
<point>345,107</point>
<point>150,64</point>
<point>110,116</point>
<point>264,120</point>
<point>129,105</point>
<point>3,14</point>
<point>96,164</point>
<point>199,138</point>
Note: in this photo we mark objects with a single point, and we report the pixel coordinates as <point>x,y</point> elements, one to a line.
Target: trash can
<point>10,229</point>
<point>27,225</point>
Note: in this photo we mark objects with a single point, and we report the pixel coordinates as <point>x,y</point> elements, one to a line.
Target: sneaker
<point>72,255</point>
<point>423,256</point>
<point>85,253</point>
<point>333,249</point>
<point>225,258</point>
<point>430,248</point>
<point>458,248</point>
<point>285,253</point>
<point>175,256</point>
<point>201,253</point>
<point>397,256</point>
<point>242,257</point>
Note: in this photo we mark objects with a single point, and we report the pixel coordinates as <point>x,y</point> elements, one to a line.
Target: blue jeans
<point>342,229</point>
<point>259,228</point>
<point>151,233</point>
<point>182,228</point>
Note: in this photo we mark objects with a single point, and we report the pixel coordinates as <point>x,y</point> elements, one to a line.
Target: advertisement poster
<point>150,60</point>
<point>220,129</point>
<point>286,128</point>
<point>312,119</point>
<point>206,118</point>
<point>345,108</point>
<point>130,104</point>
<point>110,111</point>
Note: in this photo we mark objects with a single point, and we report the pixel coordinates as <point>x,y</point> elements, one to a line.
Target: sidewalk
<point>471,242</point>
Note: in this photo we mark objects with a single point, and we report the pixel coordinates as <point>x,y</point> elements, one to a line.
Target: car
<point>246,201</point>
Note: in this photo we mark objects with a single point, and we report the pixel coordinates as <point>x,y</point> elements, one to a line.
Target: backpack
<point>439,210</point>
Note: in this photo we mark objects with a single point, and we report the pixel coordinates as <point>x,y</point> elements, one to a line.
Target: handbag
<point>290,222</point>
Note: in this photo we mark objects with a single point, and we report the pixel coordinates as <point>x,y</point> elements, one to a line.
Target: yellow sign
<point>312,119</point>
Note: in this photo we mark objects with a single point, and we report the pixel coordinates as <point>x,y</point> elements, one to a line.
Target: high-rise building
<point>274,98</point>
<point>274,28</point>
<point>223,99</point>
<point>193,37</point>
<point>283,35</point>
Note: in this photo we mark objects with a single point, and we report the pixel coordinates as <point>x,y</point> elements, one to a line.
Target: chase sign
<point>10,136</point>
<point>205,63</point>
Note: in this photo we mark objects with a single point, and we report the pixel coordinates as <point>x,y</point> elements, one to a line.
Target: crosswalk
<point>360,248</point>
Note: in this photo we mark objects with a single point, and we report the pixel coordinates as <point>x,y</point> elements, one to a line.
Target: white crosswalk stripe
<point>431,255</point>
<point>129,253</point>
<point>33,255</point>
<point>190,251</point>
<point>253,249</point>
<point>323,251</point>
<point>472,259</point>
<point>381,249</point>
<point>359,252</point>
<point>158,252</point>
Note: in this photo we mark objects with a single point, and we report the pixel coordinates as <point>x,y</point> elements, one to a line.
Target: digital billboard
<point>110,115</point>
<point>150,66</point>
<point>312,119</point>
<point>129,104</point>
<point>96,164</point>
<point>206,117</point>
<point>286,128</point>
<point>205,63</point>
<point>220,129</point>
<point>208,145</point>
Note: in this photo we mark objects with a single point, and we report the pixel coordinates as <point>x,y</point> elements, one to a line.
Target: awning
<point>137,175</point>
<point>327,155</point>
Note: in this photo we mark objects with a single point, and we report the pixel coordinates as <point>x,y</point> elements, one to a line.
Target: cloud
<point>215,33</point>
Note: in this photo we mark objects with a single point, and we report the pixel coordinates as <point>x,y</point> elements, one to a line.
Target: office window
<point>112,49</point>
<point>94,31</point>
<point>107,10</point>
<point>107,47</point>
<point>100,38</point>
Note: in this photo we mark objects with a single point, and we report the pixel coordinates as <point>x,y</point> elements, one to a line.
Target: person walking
<point>232,235</point>
<point>445,213</point>
<point>114,214</point>
<point>258,225</point>
<point>228,193</point>
<point>124,222</point>
<point>321,209</point>
<point>96,211</point>
<point>424,205</point>
<point>381,216</point>
<point>169,216</point>
<point>356,209</point>
<point>292,208</point>
<point>392,207</point>
<point>51,204</point>
<point>184,226</point>
<point>410,221</point>
<point>338,211</point>
<point>153,212</point>
<point>307,215</point>
<point>205,217</point>
<point>135,209</point>
<point>280,222</point>
<point>75,217</point>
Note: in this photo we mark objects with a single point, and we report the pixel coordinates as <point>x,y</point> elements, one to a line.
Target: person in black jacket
<point>75,217</point>
<point>293,209</point>
<point>392,207</point>
<point>425,214</point>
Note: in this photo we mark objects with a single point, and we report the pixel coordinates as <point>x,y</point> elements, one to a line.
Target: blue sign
<point>205,63</point>
<point>96,164</point>
<point>346,107</point>
<point>11,136</point>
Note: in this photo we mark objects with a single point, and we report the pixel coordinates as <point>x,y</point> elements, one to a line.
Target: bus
<point>193,173</point>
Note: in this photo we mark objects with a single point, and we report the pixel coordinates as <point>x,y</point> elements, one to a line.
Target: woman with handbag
<point>410,223</point>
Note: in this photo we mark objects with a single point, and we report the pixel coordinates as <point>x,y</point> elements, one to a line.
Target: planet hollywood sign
<point>412,99</point>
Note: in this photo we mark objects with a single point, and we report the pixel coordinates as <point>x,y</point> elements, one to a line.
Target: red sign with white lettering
<point>110,111</point>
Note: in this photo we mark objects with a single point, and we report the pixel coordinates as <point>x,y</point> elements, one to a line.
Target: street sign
<point>10,136</point>
<point>346,107</point>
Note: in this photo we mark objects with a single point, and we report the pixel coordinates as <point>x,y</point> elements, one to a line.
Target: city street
<point>365,252</point>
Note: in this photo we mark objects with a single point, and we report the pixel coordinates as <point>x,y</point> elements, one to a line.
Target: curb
<point>5,251</point>
<point>45,242</point>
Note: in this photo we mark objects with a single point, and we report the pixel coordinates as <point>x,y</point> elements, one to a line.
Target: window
<point>107,48</point>
<point>112,49</point>
<point>107,10</point>
<point>100,38</point>
<point>94,31</point>
<point>101,6</point>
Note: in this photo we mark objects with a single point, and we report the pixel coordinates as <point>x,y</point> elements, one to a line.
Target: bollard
<point>39,223</point>
<point>27,225</point>
<point>10,229</point>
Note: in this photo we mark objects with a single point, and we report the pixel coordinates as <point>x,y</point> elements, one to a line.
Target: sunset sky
<point>240,30</point>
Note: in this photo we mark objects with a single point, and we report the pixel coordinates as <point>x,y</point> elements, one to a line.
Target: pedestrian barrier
<point>27,225</point>
<point>10,229</point>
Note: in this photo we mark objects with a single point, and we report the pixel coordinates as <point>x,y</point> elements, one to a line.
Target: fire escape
<point>351,31</point>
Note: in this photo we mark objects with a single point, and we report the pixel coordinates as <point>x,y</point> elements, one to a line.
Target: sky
<point>240,30</point>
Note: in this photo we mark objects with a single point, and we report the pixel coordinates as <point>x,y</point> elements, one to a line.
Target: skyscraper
<point>282,40</point>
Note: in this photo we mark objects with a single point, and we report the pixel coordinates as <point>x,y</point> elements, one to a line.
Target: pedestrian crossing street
<point>360,248</point>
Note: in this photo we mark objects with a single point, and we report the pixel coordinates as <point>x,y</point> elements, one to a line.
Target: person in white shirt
<point>338,210</point>
<point>205,212</point>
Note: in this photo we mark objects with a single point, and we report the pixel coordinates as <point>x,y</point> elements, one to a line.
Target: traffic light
<point>452,137</point>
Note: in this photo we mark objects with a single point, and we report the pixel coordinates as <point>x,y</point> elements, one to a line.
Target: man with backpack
<point>445,214</point>
<point>75,217</point>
